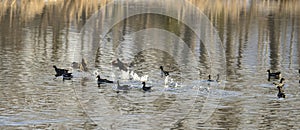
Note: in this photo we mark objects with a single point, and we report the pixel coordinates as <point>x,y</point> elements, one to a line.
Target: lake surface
<point>239,40</point>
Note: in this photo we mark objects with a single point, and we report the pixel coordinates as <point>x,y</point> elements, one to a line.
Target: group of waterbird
<point>280,85</point>
<point>169,82</point>
<point>64,73</point>
<point>134,76</point>
<point>123,67</point>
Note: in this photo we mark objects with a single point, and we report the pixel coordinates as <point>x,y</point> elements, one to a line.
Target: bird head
<point>161,67</point>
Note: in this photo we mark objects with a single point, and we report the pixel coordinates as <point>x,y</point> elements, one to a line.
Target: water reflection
<point>257,35</point>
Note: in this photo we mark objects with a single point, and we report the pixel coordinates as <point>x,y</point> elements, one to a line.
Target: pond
<point>127,42</point>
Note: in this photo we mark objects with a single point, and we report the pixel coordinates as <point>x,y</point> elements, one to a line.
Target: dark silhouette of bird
<point>102,81</point>
<point>59,72</point>
<point>211,80</point>
<point>145,88</point>
<point>275,75</point>
<point>281,93</point>
<point>163,72</point>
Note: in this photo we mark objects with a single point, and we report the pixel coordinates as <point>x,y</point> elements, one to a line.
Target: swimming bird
<point>67,76</point>
<point>275,75</point>
<point>121,65</point>
<point>280,86</point>
<point>281,93</point>
<point>81,66</point>
<point>59,72</point>
<point>211,80</point>
<point>102,81</point>
<point>146,88</point>
<point>163,72</point>
<point>123,87</point>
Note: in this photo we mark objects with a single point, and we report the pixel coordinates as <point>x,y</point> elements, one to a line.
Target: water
<point>254,36</point>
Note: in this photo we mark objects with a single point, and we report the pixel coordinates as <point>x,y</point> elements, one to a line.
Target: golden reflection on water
<point>80,9</point>
<point>69,10</point>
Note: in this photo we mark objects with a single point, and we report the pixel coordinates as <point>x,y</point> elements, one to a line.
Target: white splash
<point>169,82</point>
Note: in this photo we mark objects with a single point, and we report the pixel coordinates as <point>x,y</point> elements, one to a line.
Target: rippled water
<point>241,43</point>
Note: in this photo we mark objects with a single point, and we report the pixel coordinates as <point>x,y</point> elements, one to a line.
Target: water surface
<point>255,36</point>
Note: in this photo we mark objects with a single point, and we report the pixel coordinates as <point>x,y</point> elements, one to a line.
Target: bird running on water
<point>163,72</point>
